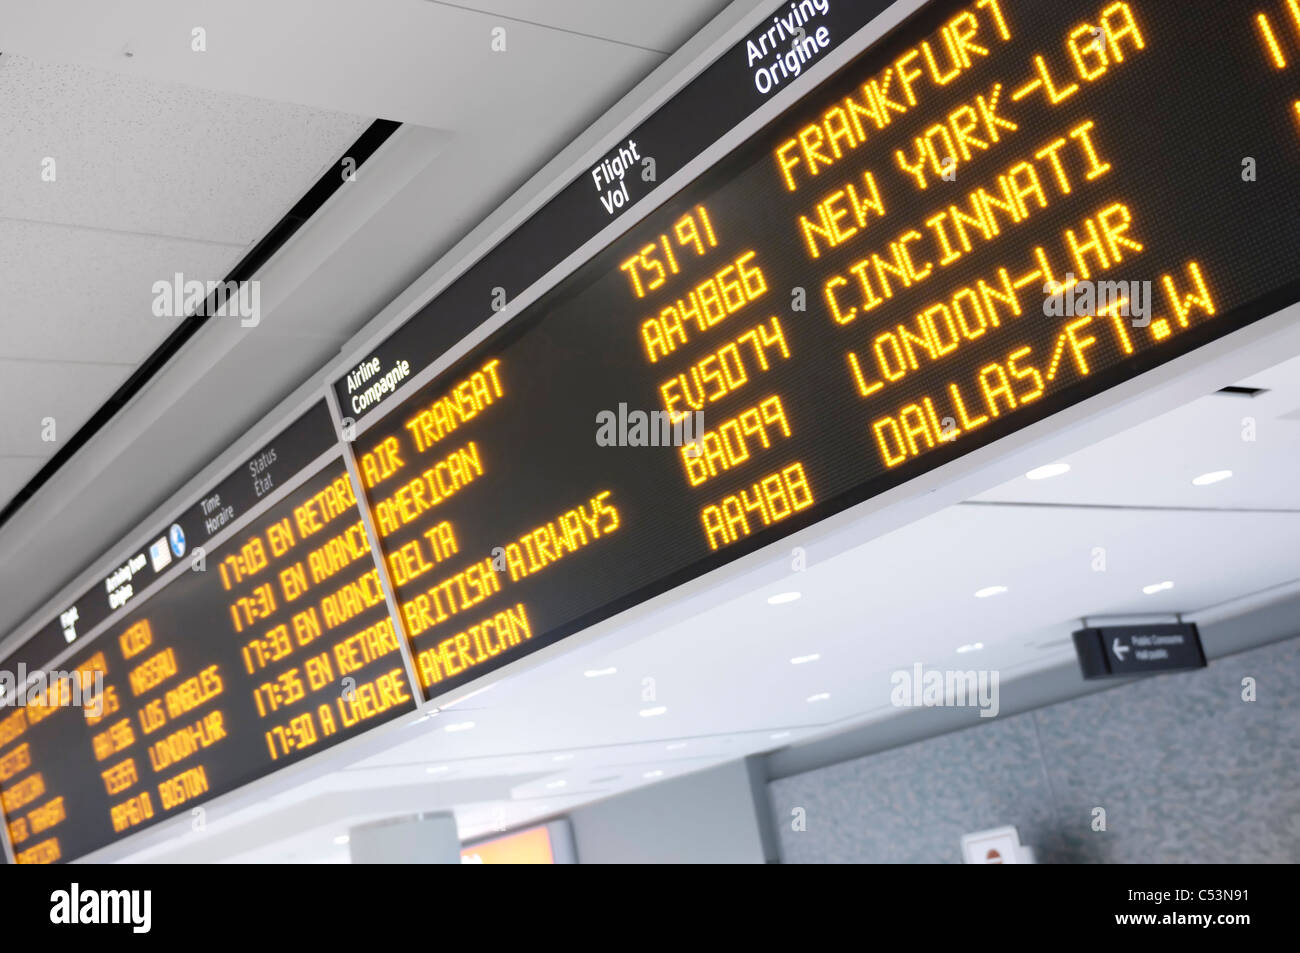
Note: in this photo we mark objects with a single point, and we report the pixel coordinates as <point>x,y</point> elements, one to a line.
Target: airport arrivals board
<point>999,209</point>
<point>860,292</point>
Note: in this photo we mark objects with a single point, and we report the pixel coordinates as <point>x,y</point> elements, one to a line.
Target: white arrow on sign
<point>1119,650</point>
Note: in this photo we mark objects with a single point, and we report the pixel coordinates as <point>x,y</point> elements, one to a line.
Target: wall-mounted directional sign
<point>1127,650</point>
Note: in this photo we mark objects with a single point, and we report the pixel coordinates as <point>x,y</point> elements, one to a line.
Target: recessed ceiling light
<point>342,839</point>
<point>600,672</point>
<point>653,774</point>
<point>777,735</point>
<point>436,769</point>
<point>969,647</point>
<point>556,784</point>
<point>989,591</point>
<point>1155,587</point>
<point>801,659</point>
<point>1214,476</point>
<point>652,712</point>
<point>563,757</point>
<point>1048,471</point>
<point>460,726</point>
<point>783,597</point>
<point>675,746</point>
<point>819,697</point>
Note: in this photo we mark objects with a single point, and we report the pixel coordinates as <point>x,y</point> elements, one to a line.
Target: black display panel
<point>1003,208</point>
<point>282,646</point>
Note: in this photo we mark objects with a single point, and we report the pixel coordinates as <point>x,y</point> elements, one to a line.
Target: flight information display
<point>280,647</point>
<point>1004,207</point>
<point>996,211</point>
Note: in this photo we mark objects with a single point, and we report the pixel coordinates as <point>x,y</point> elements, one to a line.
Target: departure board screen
<point>280,647</point>
<point>1002,208</point>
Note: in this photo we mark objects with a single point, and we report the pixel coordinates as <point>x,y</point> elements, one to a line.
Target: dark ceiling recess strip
<point>361,150</point>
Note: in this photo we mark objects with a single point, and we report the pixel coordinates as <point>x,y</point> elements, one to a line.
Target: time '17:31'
<point>258,604</point>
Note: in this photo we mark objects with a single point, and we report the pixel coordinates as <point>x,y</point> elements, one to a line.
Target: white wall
<point>708,817</point>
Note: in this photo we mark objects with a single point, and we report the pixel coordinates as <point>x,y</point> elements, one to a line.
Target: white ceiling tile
<point>410,60</point>
<point>151,178</point>
<point>664,25</point>
<point>36,390</point>
<point>139,155</point>
<point>78,294</point>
